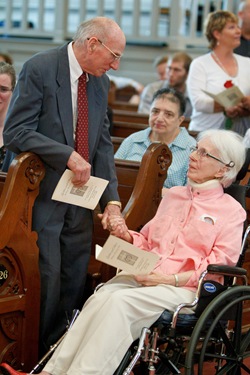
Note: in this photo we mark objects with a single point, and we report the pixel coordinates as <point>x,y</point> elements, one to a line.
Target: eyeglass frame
<point>116,57</point>
<point>4,89</point>
<point>203,153</point>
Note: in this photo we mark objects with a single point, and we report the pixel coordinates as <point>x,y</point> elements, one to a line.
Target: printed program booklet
<point>86,196</point>
<point>227,98</point>
<point>125,256</point>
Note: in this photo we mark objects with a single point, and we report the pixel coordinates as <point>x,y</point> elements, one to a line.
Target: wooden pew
<point>124,106</point>
<point>122,95</point>
<point>116,142</point>
<point>129,116</point>
<point>19,273</point>
<point>124,129</point>
<point>139,187</point>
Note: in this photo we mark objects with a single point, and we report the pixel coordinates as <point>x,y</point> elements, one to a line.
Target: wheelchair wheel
<point>225,345</point>
<point>125,362</point>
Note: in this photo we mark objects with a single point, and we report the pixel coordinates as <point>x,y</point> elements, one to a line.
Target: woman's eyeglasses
<point>201,152</point>
<point>4,89</point>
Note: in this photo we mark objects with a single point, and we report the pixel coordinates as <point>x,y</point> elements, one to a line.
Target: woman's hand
<point>233,112</point>
<point>240,110</point>
<point>155,278</point>
<point>114,222</point>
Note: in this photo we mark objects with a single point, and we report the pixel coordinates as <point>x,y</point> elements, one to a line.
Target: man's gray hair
<point>100,27</point>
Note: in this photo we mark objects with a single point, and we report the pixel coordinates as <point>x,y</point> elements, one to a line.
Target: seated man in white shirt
<point>177,72</point>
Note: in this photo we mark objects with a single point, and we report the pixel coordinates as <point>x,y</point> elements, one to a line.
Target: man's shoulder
<point>201,59</point>
<point>50,52</point>
<point>48,60</point>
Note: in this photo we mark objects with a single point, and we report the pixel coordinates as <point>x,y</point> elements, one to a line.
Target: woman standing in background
<point>214,71</point>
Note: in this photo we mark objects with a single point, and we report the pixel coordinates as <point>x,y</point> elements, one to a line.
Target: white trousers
<point>110,321</point>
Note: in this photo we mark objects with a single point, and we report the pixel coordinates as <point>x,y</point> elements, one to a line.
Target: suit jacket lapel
<point>64,95</point>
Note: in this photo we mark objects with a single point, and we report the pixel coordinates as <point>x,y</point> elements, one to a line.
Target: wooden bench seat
<point>19,273</point>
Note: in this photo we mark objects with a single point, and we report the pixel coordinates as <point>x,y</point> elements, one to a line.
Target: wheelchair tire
<point>227,348</point>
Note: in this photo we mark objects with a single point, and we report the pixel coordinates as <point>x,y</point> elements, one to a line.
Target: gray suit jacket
<point>40,120</point>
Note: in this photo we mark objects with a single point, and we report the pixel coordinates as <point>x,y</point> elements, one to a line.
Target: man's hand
<point>81,169</point>
<point>113,221</point>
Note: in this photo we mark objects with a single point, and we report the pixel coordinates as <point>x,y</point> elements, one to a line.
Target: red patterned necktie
<point>81,136</point>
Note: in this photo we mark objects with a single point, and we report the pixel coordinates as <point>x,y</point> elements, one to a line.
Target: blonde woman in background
<point>213,70</point>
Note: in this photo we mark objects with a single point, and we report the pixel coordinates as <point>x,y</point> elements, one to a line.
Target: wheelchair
<point>216,335</point>
<point>214,338</point>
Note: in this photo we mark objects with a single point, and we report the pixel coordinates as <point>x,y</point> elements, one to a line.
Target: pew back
<point>139,187</point>
<point>19,281</point>
<point>124,129</point>
<point>116,141</point>
<point>130,116</point>
<point>124,106</point>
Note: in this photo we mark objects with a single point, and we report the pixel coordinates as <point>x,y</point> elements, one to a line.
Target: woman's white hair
<point>230,147</point>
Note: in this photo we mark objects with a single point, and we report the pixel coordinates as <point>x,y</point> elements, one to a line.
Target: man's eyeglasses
<point>4,89</point>
<point>115,56</point>
<point>201,152</point>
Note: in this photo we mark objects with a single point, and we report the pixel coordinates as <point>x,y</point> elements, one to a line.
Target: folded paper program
<point>227,98</point>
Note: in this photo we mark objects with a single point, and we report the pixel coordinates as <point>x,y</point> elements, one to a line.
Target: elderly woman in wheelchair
<point>195,226</point>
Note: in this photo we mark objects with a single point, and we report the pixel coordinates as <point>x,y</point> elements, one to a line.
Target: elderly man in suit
<point>42,118</point>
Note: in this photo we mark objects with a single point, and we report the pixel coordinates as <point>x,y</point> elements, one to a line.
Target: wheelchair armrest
<point>215,269</point>
<point>226,270</point>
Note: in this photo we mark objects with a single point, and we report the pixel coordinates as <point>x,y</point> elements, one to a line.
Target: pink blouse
<point>192,228</point>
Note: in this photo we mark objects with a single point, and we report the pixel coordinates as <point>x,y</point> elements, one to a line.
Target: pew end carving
<point>140,187</point>
<point>19,272</point>
<point>147,192</point>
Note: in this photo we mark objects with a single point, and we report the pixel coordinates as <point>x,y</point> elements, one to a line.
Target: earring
<point>218,43</point>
